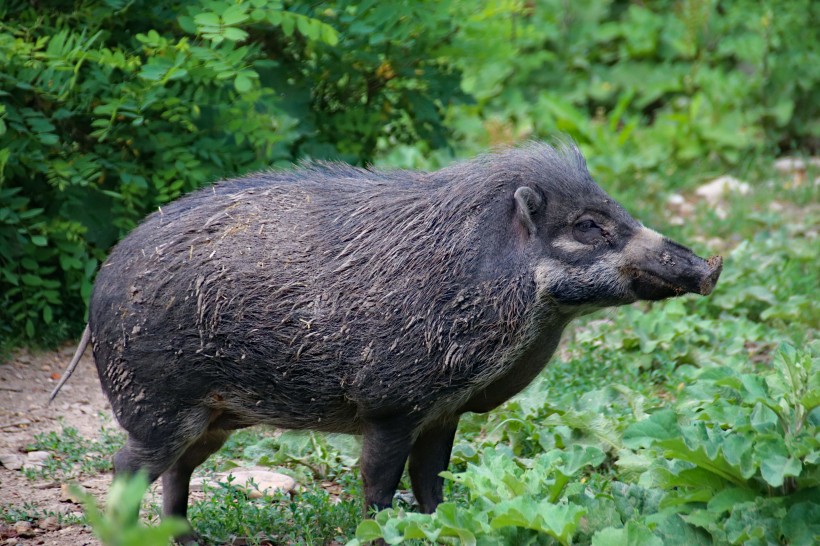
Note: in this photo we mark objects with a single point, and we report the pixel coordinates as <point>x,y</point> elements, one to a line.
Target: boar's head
<point>587,251</point>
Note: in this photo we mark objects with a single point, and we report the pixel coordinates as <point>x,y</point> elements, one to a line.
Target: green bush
<point>644,86</point>
<point>112,108</point>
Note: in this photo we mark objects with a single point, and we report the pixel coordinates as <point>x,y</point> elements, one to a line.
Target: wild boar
<point>351,300</point>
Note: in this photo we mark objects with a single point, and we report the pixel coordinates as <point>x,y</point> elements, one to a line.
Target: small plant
<point>30,512</point>
<point>512,501</point>
<point>312,516</point>
<point>71,454</point>
<point>119,525</point>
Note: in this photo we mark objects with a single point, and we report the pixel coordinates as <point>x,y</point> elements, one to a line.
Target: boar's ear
<point>527,201</point>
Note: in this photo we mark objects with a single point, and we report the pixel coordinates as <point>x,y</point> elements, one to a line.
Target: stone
<point>37,456</point>
<point>23,528</point>
<point>795,164</point>
<point>719,188</point>
<point>12,461</point>
<point>67,494</point>
<point>257,481</point>
<point>50,523</point>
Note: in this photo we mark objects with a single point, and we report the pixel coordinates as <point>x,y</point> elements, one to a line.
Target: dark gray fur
<point>348,300</point>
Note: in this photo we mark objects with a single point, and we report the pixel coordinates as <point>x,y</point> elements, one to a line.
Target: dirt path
<point>26,382</point>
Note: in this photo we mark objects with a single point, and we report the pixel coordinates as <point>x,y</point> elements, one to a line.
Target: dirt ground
<point>26,382</point>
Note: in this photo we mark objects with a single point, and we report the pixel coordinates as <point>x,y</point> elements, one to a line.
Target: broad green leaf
<point>578,457</point>
<point>774,468</point>
<point>659,426</point>
<point>329,35</point>
<point>242,83</point>
<point>633,534</point>
<point>207,19</point>
<point>801,526</point>
<point>234,15</point>
<point>557,520</point>
<point>31,280</point>
<point>715,464</point>
<point>234,34</point>
<point>456,522</point>
<point>728,499</point>
<point>368,530</point>
<point>764,419</point>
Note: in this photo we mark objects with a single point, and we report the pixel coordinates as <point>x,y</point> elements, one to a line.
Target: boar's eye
<point>587,231</point>
<point>585,225</point>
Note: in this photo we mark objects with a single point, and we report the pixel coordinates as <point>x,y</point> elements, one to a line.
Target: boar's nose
<point>714,266</point>
<point>682,268</point>
<point>662,268</point>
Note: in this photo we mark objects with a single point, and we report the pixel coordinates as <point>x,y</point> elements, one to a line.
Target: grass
<point>73,454</point>
<point>30,512</point>
<point>311,516</point>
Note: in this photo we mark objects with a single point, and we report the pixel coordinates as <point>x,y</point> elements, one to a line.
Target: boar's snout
<point>714,267</point>
<point>662,268</point>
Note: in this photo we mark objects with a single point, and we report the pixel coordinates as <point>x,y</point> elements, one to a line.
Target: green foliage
<point>30,512</point>
<point>309,517</point>
<point>738,442</point>
<point>512,501</point>
<point>308,455</point>
<point>119,524</point>
<point>111,109</point>
<point>71,453</point>
<point>644,87</point>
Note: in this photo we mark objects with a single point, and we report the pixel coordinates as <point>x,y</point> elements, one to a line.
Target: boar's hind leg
<point>430,456</point>
<point>176,480</point>
<point>386,444</point>
<point>181,441</point>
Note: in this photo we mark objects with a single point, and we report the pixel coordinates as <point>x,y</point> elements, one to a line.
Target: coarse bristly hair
<point>307,298</point>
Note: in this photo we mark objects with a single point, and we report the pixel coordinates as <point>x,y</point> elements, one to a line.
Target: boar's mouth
<point>673,270</point>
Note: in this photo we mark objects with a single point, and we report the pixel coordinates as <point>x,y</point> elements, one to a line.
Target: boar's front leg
<point>429,457</point>
<point>386,445</point>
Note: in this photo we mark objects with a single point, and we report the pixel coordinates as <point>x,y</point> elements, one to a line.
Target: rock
<point>263,481</point>
<point>680,208</point>
<point>35,459</point>
<point>713,192</point>
<point>24,528</point>
<point>37,456</point>
<point>196,484</point>
<point>12,461</point>
<point>50,523</point>
<point>67,494</point>
<point>796,164</point>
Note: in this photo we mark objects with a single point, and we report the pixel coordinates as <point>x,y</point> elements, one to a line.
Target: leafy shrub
<point>113,108</point>
<point>740,442</point>
<point>645,87</point>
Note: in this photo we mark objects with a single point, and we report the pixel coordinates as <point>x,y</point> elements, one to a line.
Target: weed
<point>72,454</point>
<point>119,524</point>
<point>312,516</point>
<point>28,511</point>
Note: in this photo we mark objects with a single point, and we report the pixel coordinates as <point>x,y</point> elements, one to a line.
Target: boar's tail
<point>74,361</point>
